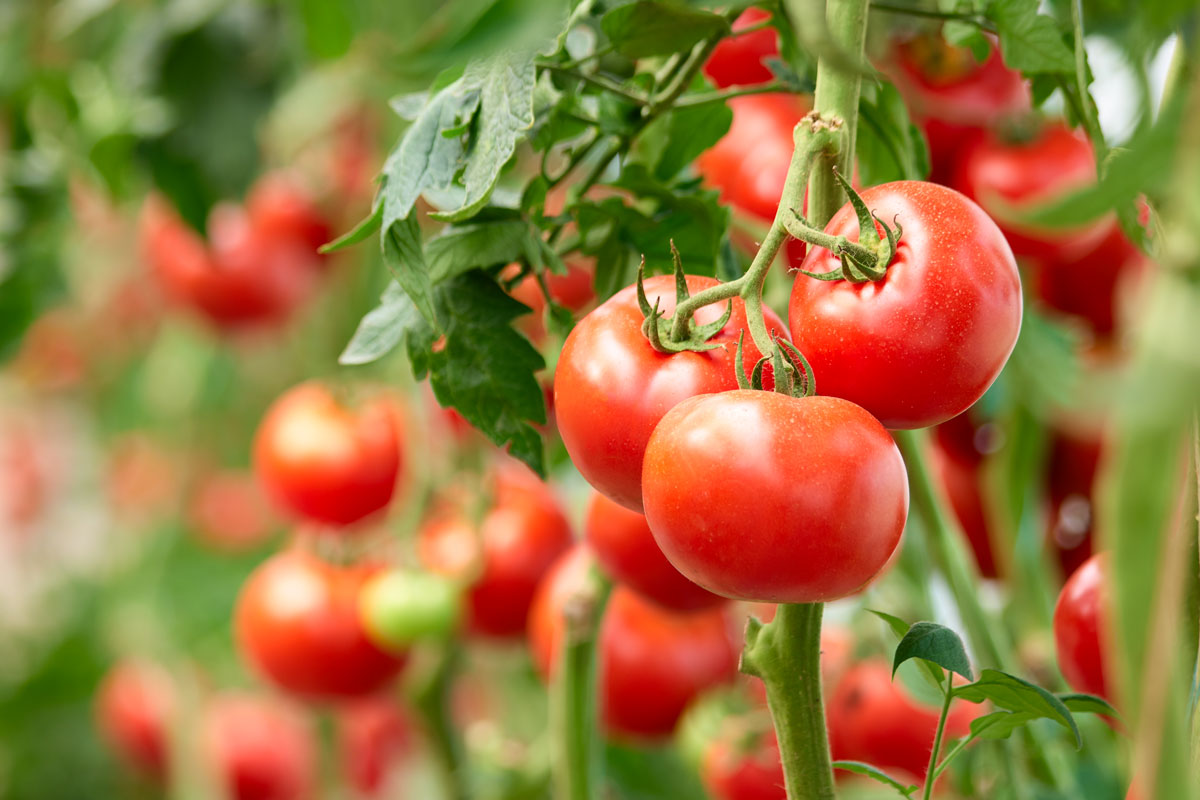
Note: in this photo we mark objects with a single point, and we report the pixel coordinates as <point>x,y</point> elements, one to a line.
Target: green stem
<point>578,764</point>
<point>598,82</point>
<point>1091,118</point>
<point>786,655</point>
<point>836,97</point>
<point>931,772</point>
<point>432,703</point>
<point>950,754</point>
<point>733,91</point>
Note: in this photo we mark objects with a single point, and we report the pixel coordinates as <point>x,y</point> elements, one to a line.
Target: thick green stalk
<point>786,654</point>
<point>432,702</point>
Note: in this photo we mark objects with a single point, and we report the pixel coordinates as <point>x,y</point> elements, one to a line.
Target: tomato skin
<point>374,734</point>
<point>520,536</point>
<point>573,290</point>
<point>611,387</point>
<point>1006,178</point>
<point>753,774</point>
<point>736,511</point>
<point>133,708</point>
<point>625,548</point>
<point>262,748</point>
<point>653,662</point>
<point>924,343</point>
<point>873,719</point>
<point>1089,287</point>
<point>282,208</point>
<point>297,622</point>
<point>323,462</point>
<point>738,59</point>
<point>1080,627</point>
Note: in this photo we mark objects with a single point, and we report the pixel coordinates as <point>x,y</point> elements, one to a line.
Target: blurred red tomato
<point>573,290</point>
<point>280,207</point>
<point>133,709</point>
<point>653,662</point>
<point>1080,627</point>
<point>297,622</point>
<point>504,557</point>
<point>228,511</point>
<point>739,59</point>
<point>322,461</point>
<point>746,769</point>
<point>53,355</point>
<point>262,748</point>
<point>374,735</point>
<point>143,478</point>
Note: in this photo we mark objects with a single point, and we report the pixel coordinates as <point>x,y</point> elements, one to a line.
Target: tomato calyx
<point>676,334</point>
<point>862,261</point>
<point>793,374</point>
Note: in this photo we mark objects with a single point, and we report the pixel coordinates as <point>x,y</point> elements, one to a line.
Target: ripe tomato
<point>745,769</point>
<point>611,387</point>
<point>227,510</point>
<point>297,622</point>
<point>573,290</point>
<point>924,343</point>
<point>504,558</point>
<point>961,480</point>
<point>625,548</point>
<point>374,735</point>
<point>738,59</point>
<point>736,510</point>
<point>133,708</point>
<point>262,749</point>
<point>321,461</point>
<point>280,207</point>
<point>1081,626</point>
<point>873,719</point>
<point>953,96</point>
<point>1071,474</point>
<point>1010,177</point>
<point>653,662</point>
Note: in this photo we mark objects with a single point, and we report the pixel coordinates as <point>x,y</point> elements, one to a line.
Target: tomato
<point>403,606</point>
<point>297,622</point>
<point>1080,627</point>
<point>925,342</point>
<point>374,735</point>
<point>953,96</point>
<point>873,719</point>
<point>611,387</point>
<point>227,510</point>
<point>262,748</point>
<point>962,481</point>
<point>653,662</point>
<point>142,479</point>
<point>739,59</point>
<point>280,207</point>
<point>133,709</point>
<point>521,534</point>
<point>1071,474</point>
<point>324,462</point>
<point>735,507</point>
<point>573,290</point>
<point>625,548</point>
<point>749,769</point>
<point>1008,178</point>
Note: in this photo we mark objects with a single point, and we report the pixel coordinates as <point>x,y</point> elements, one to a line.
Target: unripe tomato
<point>133,709</point>
<point>1009,178</point>
<point>279,206</point>
<point>739,59</point>
<point>775,528</point>
<point>625,548</point>
<point>873,719</point>
<point>925,342</point>
<point>652,662</point>
<point>297,622</point>
<point>1081,627</point>
<point>324,462</point>
<point>401,607</point>
<point>374,736</point>
<point>520,536</point>
<point>227,511</point>
<point>261,748</point>
<point>611,387</point>
<point>749,769</point>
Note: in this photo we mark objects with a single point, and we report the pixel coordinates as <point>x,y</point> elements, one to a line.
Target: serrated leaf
<point>875,773</point>
<point>359,233</point>
<point>936,644</point>
<point>460,249</point>
<point>1079,703</point>
<point>403,256</point>
<point>1020,696</point>
<point>382,328</point>
<point>1030,42</point>
<point>650,28</point>
<point>1000,724</point>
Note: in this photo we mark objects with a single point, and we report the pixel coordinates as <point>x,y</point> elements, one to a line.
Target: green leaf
<point>359,234</point>
<point>936,644</point>
<point>1020,696</point>
<point>403,256</point>
<point>327,27</point>
<point>889,146</point>
<point>1079,703</point>
<point>650,28</point>
<point>462,248</point>
<point>688,133</point>
<point>382,328</point>
<point>875,773</point>
<point>1030,42</point>
<point>898,626</point>
<point>1000,724</point>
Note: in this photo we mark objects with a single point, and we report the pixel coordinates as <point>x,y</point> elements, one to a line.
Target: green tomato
<point>401,607</point>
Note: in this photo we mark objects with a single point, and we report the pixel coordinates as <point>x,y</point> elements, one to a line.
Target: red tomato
<point>744,770</point>
<point>735,509</point>
<point>873,719</point>
<point>953,96</point>
<point>374,736</point>
<point>228,511</point>
<point>297,622</point>
<point>739,59</point>
<point>280,207</point>
<point>133,709</point>
<point>924,343</point>
<point>263,749</point>
<point>573,290</point>
<point>625,548</point>
<point>1080,627</point>
<point>1071,474</point>
<point>611,387</point>
<point>1010,177</point>
<point>321,461</point>
<point>522,533</point>
<point>653,662</point>
<point>961,480</point>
